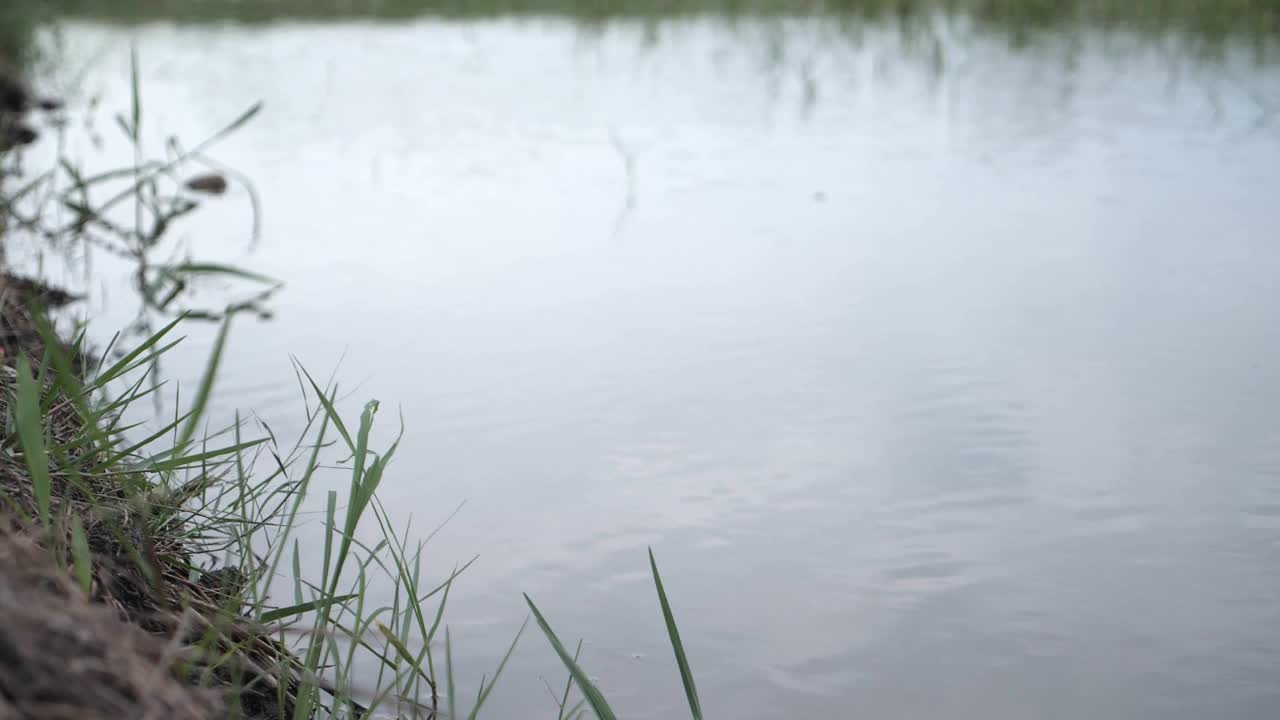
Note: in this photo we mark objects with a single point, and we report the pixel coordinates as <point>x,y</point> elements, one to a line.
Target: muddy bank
<point>64,657</point>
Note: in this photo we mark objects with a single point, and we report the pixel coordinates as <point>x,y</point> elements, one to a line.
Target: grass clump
<point>127,529</point>
<point>136,526</point>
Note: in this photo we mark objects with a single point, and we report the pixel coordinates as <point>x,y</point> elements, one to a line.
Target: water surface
<point>940,376</point>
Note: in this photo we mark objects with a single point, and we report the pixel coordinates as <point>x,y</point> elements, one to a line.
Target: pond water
<point>940,375</point>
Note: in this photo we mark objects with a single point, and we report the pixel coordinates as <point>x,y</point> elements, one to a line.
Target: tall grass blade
<point>356,499</point>
<point>330,529</point>
<point>231,127</point>
<point>486,689</point>
<point>135,88</point>
<point>330,410</point>
<point>444,600</point>
<point>206,387</point>
<point>686,675</point>
<point>297,573</point>
<point>589,691</point>
<point>162,463</point>
<point>287,612</point>
<point>31,433</point>
<point>568,686</point>
<point>217,269</point>
<point>403,651</point>
<point>123,365</point>
<point>448,671</point>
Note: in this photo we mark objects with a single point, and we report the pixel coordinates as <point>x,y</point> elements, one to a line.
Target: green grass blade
<point>568,686</point>
<point>444,600</point>
<point>403,651</point>
<point>355,505</point>
<point>589,691</point>
<point>217,269</point>
<point>136,95</point>
<point>448,671</point>
<point>356,499</point>
<point>80,555</point>
<point>124,363</point>
<point>31,433</point>
<point>445,585</point>
<point>373,476</point>
<point>330,410</point>
<point>486,689</point>
<point>231,127</point>
<point>686,675</point>
<point>206,386</point>
<point>141,444</point>
<point>162,463</point>
<point>292,610</point>
<point>297,574</point>
<point>330,529</point>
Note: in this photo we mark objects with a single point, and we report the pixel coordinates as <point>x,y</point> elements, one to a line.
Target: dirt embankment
<point>115,650</point>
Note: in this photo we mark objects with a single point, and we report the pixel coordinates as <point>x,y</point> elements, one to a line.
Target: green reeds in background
<point>1189,14</point>
<point>1203,24</point>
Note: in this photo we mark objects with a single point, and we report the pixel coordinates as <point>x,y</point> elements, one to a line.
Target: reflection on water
<point>939,388</point>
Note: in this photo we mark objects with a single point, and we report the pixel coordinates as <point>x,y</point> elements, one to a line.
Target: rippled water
<point>942,380</point>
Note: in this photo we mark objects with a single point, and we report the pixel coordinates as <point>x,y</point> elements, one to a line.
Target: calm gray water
<point>943,381</point>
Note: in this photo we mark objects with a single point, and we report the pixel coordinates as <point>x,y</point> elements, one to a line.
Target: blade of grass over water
<point>448,671</point>
<point>485,690</point>
<point>593,696</point>
<point>686,675</point>
<point>127,363</point>
<point>217,269</point>
<point>327,403</point>
<point>568,686</point>
<point>205,390</point>
<point>402,650</point>
<point>165,463</point>
<point>357,496</point>
<point>305,607</point>
<point>135,94</point>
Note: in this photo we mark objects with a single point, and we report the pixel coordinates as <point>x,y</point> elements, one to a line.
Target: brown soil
<point>62,656</point>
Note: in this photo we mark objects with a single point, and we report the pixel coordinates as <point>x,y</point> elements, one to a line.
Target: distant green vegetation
<point>17,18</point>
<point>1212,17</point>
<point>1201,27</point>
